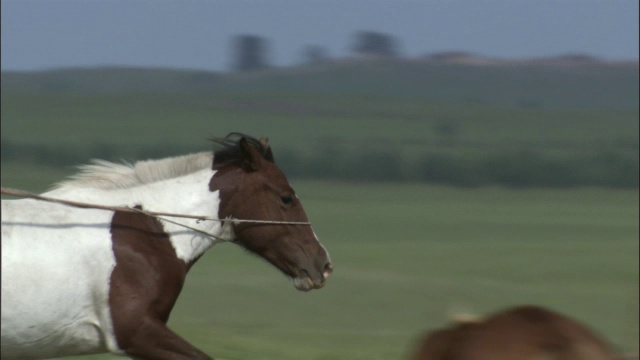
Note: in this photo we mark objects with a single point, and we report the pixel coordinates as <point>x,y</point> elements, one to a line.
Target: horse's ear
<point>251,158</point>
<point>268,154</point>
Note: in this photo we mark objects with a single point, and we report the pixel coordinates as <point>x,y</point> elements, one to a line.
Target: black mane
<point>229,148</point>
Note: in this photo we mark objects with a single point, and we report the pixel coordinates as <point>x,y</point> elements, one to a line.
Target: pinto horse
<point>84,281</point>
<point>520,333</point>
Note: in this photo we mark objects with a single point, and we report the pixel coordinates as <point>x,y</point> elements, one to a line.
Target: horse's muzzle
<point>305,282</point>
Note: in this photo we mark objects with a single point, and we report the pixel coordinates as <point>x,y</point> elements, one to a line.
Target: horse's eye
<point>287,200</point>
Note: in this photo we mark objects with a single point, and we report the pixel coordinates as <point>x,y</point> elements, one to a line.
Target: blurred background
<point>454,156</point>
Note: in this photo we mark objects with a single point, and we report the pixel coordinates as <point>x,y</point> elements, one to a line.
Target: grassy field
<point>408,256</point>
<point>577,85</point>
<point>302,120</point>
<point>359,104</point>
<point>517,125</point>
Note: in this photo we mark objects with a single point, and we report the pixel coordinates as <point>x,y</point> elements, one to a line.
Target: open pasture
<point>408,256</point>
<point>304,121</point>
<point>548,126</point>
<point>336,137</point>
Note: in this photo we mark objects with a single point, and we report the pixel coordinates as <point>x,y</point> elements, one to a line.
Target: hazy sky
<point>41,34</point>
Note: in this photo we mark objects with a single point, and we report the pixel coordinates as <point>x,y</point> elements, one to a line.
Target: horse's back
<point>56,265</point>
<point>538,333</point>
<point>521,333</point>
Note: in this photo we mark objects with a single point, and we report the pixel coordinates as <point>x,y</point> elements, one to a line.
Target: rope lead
<point>26,194</point>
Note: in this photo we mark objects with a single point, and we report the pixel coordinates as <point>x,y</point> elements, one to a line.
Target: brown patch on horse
<point>145,284</point>
<point>521,333</point>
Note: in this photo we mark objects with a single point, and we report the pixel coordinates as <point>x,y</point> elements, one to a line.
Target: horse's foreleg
<point>153,340</point>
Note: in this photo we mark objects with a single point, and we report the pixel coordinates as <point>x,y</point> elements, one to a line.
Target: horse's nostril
<point>328,269</point>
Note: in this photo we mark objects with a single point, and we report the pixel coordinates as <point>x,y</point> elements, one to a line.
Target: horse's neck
<point>189,195</point>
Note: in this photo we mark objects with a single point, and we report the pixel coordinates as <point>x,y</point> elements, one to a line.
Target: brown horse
<point>520,333</point>
<point>83,281</point>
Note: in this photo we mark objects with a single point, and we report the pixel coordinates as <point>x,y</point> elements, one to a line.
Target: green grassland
<point>407,254</point>
<point>586,85</point>
<point>353,103</point>
<point>102,119</point>
<point>402,107</point>
<point>330,136</point>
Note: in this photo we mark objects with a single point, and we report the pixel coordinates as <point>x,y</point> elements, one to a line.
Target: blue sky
<point>195,34</point>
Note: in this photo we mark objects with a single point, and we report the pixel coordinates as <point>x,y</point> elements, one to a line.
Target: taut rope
<point>26,194</point>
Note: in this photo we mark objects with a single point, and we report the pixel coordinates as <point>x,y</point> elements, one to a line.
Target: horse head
<point>252,187</point>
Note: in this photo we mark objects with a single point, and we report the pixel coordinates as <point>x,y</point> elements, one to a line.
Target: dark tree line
<point>371,43</point>
<point>251,52</point>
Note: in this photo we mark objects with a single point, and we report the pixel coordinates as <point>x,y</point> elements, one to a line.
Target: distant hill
<point>561,82</point>
<point>109,79</point>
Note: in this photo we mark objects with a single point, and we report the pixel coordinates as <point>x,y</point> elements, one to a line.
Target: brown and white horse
<point>520,333</point>
<point>82,281</point>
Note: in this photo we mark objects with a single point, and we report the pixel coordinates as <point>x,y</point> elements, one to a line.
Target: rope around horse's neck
<point>26,194</point>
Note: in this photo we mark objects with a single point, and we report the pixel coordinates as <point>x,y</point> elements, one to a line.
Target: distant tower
<point>249,52</point>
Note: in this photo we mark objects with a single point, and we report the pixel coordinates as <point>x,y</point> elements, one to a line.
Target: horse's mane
<point>106,175</point>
